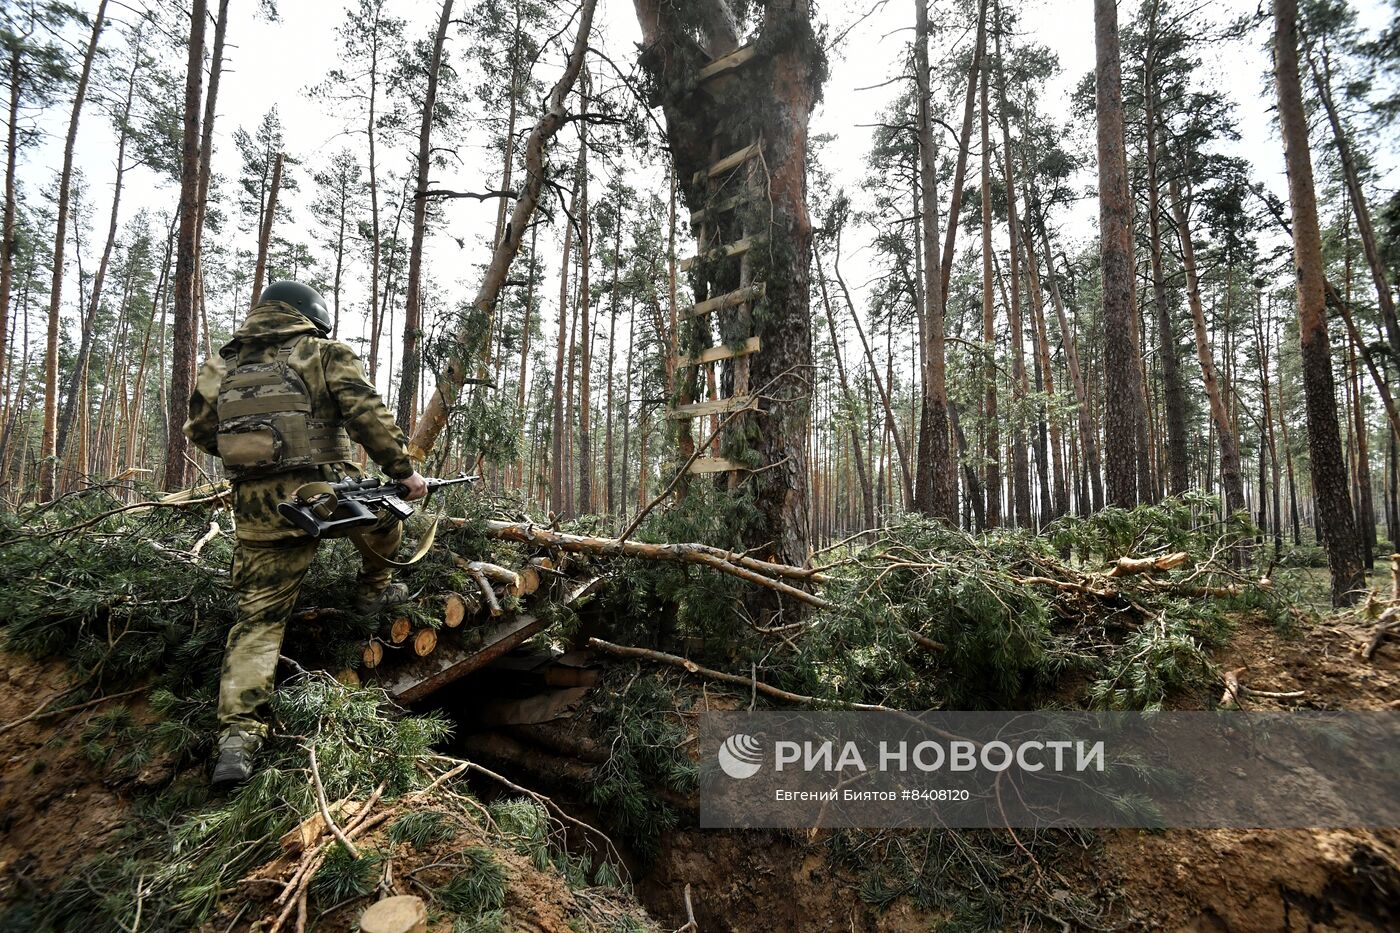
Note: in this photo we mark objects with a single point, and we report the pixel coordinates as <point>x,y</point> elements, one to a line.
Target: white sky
<point>277,62</point>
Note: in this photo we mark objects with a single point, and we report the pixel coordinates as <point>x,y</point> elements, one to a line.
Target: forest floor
<point>56,810</point>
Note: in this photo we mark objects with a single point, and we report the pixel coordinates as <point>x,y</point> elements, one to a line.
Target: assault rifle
<point>334,510</point>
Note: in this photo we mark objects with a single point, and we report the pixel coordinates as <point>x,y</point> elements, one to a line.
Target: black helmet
<point>302,297</point>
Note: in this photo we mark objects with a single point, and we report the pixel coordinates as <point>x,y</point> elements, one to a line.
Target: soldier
<point>280,405</point>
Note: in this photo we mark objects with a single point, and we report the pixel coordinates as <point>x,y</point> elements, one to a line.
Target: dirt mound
<point>53,812</point>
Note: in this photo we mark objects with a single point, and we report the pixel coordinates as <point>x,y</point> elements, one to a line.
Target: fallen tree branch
<point>762,572</point>
<point>752,683</point>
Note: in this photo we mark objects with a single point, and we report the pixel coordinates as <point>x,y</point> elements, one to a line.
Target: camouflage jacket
<point>339,391</point>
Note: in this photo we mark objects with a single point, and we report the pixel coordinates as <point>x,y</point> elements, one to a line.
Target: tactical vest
<point>265,423</point>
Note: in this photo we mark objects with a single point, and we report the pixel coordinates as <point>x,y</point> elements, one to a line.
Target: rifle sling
<point>374,558</point>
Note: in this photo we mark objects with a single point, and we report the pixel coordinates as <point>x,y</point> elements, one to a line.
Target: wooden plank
<point>727,63</point>
<point>715,465</point>
<point>479,646</point>
<point>727,300</point>
<point>737,248</point>
<point>715,354</point>
<point>728,163</point>
<point>717,407</point>
<point>717,209</point>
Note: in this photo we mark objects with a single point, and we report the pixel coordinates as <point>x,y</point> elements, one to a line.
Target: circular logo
<point>740,756</point>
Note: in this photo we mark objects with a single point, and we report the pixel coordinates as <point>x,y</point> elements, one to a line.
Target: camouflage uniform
<point>272,556</point>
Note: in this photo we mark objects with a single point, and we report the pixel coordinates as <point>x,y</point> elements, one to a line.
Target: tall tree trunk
<point>206,153</point>
<point>265,235</point>
<point>186,313</point>
<point>1122,371</point>
<point>779,91</point>
<point>1020,460</point>
<point>1059,505</point>
<point>585,342</point>
<point>1174,393</point>
<point>867,496</point>
<point>992,440</point>
<point>950,237</point>
<point>8,246</point>
<point>374,245</point>
<point>80,365</point>
<point>1334,516</point>
<point>49,441</point>
<point>1231,478</point>
<point>1322,78</point>
<point>434,416</point>
<point>413,301</point>
<point>610,502</point>
<point>559,426</point>
<point>934,492</point>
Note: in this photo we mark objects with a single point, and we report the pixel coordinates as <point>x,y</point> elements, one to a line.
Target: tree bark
<point>1328,470</point>
<point>1020,460</point>
<point>1231,478</point>
<point>992,441</point>
<point>780,90</point>
<point>80,365</point>
<point>934,491</point>
<point>265,236</point>
<point>8,246</point>
<point>413,300</point>
<point>1174,393</point>
<point>49,441</point>
<point>1122,372</point>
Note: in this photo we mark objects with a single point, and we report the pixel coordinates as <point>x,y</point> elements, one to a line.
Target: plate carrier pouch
<point>265,423</point>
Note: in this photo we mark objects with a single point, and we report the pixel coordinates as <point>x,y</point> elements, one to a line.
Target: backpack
<point>265,423</point>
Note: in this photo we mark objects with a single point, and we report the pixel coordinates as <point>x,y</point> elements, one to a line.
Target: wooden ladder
<point>730,183</point>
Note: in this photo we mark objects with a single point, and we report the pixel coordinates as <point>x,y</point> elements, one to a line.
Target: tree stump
<point>403,914</point>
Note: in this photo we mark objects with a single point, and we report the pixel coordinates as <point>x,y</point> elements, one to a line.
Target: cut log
<point>721,406</point>
<point>542,563</point>
<point>479,646</point>
<point>714,465</point>
<point>715,354</point>
<point>728,250</point>
<point>488,570</point>
<point>728,164</point>
<point>348,677</point>
<point>716,209</point>
<point>399,630</point>
<point>373,655</point>
<point>727,63</point>
<point>424,641</point>
<point>402,914</point>
<point>1126,566</point>
<point>529,582</point>
<point>456,608</point>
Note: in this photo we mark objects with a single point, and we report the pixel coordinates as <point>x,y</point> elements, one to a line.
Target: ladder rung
<point>735,59</point>
<point>715,354</point>
<point>728,300</point>
<point>714,465</point>
<point>716,209</point>
<point>728,163</point>
<point>737,248</point>
<point>721,406</point>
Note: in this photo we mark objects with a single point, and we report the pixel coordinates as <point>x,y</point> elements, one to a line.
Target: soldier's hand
<point>417,487</point>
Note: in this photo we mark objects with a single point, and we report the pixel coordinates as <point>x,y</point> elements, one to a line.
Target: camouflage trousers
<point>267,576</point>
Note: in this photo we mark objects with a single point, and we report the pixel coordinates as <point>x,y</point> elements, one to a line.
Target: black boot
<point>368,603</point>
<point>237,751</point>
